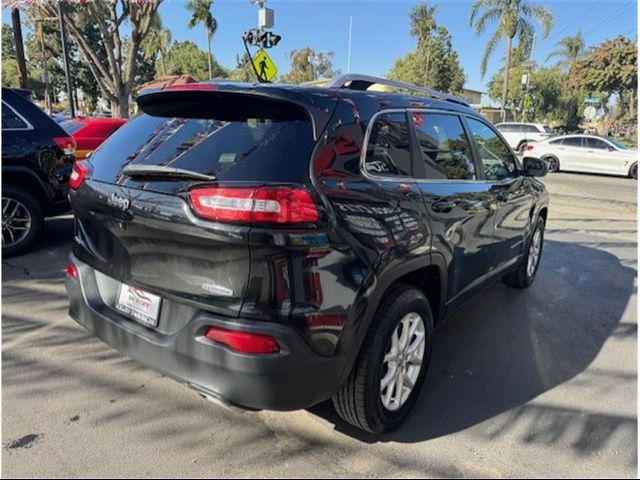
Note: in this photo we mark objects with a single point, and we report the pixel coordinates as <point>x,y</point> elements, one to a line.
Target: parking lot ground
<point>539,382</point>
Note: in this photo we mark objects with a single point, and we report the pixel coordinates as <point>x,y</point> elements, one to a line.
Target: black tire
<point>633,171</point>
<point>359,400</point>
<point>553,162</point>
<point>521,277</point>
<point>36,224</point>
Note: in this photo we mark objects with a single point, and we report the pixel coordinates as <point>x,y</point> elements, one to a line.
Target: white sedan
<point>586,153</point>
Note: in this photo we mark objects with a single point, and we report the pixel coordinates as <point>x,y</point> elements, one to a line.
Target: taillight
<point>79,172</point>
<point>67,144</point>
<point>72,271</point>
<point>529,147</point>
<point>280,205</point>
<point>243,342</point>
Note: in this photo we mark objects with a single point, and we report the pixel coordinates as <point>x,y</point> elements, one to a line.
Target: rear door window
<point>572,142</point>
<point>444,147</point>
<point>389,147</point>
<point>249,143</point>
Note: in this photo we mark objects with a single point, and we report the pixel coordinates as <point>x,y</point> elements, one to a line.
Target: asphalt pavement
<point>540,382</point>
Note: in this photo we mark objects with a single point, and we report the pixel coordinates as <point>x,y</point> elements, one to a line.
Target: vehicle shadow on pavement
<point>508,346</point>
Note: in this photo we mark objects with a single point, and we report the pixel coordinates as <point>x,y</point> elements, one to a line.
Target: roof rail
<point>355,81</point>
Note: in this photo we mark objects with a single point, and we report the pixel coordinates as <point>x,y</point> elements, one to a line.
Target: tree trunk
<point>209,58</point>
<point>17,38</point>
<point>505,82</point>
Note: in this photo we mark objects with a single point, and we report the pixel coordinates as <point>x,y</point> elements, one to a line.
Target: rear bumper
<point>294,378</point>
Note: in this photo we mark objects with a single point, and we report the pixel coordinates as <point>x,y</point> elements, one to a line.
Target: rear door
<point>144,230</point>
<point>512,192</point>
<point>571,154</point>
<point>460,205</point>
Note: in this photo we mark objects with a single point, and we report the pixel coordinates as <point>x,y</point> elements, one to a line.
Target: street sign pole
<point>65,53</point>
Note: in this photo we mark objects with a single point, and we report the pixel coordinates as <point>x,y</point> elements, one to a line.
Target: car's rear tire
<point>22,221</point>
<point>525,274</point>
<point>389,356</point>
<point>553,162</point>
<point>633,171</point>
<point>521,146</point>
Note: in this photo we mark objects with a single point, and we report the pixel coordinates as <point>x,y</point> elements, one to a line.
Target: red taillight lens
<point>79,172</point>
<point>281,205</point>
<point>243,342</point>
<point>72,271</point>
<point>530,147</point>
<point>67,144</point>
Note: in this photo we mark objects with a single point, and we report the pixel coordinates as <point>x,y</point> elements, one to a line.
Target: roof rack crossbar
<point>356,81</point>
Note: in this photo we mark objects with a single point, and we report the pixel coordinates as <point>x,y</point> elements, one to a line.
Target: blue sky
<point>381,29</point>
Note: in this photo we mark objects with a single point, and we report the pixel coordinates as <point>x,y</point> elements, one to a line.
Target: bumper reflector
<point>243,342</point>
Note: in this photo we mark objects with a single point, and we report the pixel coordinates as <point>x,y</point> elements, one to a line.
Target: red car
<point>89,133</point>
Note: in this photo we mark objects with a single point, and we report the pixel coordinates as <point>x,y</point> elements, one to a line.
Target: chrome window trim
<point>28,124</point>
<point>399,179</point>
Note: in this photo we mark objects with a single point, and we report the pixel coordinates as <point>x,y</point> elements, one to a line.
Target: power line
<point>557,34</point>
<point>613,16</point>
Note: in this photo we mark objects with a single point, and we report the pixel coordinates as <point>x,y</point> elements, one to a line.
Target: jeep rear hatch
<point>169,199</point>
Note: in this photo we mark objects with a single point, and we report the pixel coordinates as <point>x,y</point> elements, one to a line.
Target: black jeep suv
<point>36,163</point>
<point>274,246</point>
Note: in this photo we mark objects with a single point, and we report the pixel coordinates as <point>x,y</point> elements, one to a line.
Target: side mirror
<point>534,167</point>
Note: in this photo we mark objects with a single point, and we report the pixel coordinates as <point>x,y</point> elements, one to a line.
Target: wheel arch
<point>27,180</point>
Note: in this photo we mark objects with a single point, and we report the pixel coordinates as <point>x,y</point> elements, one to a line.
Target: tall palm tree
<point>514,18</point>
<point>569,49</point>
<point>157,41</point>
<point>201,13</point>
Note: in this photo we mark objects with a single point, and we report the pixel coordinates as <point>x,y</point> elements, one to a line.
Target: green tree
<point>513,18</point>
<point>612,69</point>
<point>10,74</point>
<point>434,63</point>
<point>113,67</point>
<point>307,66</point>
<point>568,50</point>
<point>201,13</point>
<point>185,58</point>
<point>243,71</point>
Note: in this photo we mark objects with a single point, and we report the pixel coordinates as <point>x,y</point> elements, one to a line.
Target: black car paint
<point>32,160</point>
<point>323,281</point>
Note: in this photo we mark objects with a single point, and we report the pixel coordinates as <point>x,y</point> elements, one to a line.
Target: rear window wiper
<point>165,172</point>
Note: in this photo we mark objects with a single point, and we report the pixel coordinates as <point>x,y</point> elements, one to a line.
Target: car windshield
<point>617,144</point>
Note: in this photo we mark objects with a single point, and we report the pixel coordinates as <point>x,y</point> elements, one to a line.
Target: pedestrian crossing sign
<point>264,66</point>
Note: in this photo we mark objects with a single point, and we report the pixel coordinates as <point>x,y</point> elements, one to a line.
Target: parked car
<point>520,134</point>
<point>587,153</point>
<point>89,133</point>
<point>272,246</point>
<point>36,163</point>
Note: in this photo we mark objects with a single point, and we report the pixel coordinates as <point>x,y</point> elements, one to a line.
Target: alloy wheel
<point>16,222</point>
<point>402,362</point>
<point>534,253</point>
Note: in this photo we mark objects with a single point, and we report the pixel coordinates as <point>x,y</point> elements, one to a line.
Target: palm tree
<point>569,49</point>
<point>514,18</point>
<point>201,13</point>
<point>157,41</point>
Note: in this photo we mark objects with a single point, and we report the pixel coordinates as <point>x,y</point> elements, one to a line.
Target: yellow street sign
<point>264,66</point>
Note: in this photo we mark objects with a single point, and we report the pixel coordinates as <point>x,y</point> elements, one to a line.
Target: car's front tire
<point>525,274</point>
<point>384,384</point>
<point>22,220</point>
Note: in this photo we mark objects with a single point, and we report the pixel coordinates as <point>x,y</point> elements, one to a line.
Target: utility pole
<point>65,53</point>
<point>349,50</point>
<point>17,37</point>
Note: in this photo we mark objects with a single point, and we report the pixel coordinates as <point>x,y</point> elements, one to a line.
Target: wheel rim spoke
<point>16,222</point>
<point>402,361</point>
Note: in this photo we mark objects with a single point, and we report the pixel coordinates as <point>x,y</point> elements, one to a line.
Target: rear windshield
<point>251,144</point>
<point>71,126</point>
